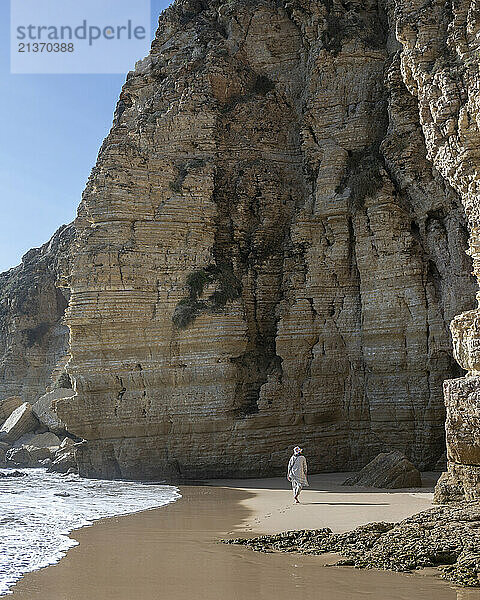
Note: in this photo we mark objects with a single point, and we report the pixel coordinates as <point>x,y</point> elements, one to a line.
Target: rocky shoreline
<point>446,537</point>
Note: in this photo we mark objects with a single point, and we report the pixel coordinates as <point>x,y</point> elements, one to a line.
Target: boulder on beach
<point>33,450</point>
<point>388,470</point>
<point>24,440</point>
<point>64,460</point>
<point>29,456</point>
<point>43,409</point>
<point>19,457</point>
<point>21,421</point>
<point>8,405</point>
<point>45,440</point>
<point>63,464</point>
<point>37,455</point>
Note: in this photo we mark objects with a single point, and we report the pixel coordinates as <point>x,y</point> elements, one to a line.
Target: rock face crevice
<point>269,250</point>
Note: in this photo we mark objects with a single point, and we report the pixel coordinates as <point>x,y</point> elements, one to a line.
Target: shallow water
<point>35,521</point>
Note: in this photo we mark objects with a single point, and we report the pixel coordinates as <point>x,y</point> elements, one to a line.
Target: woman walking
<point>297,472</point>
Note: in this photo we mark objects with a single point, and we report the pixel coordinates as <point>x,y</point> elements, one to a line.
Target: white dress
<point>297,470</point>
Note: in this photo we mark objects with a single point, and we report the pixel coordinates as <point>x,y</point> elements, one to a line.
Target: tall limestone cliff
<point>33,336</point>
<point>440,67</point>
<point>271,245</point>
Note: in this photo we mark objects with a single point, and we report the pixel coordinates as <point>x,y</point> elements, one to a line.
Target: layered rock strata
<point>439,65</point>
<point>269,250</point>
<point>33,337</point>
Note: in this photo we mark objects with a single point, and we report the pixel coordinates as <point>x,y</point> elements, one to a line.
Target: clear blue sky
<point>51,128</point>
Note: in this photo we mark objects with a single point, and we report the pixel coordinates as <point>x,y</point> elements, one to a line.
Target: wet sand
<point>172,553</point>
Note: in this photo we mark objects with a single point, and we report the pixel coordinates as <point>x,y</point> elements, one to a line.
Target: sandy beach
<point>173,552</point>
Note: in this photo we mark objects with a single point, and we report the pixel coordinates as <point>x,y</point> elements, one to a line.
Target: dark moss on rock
<point>228,288</point>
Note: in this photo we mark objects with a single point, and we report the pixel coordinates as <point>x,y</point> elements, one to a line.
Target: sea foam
<point>37,512</point>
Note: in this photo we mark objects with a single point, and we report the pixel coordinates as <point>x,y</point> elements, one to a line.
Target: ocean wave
<point>38,512</point>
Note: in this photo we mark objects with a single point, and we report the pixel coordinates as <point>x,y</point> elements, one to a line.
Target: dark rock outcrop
<point>18,457</point>
<point>12,474</point>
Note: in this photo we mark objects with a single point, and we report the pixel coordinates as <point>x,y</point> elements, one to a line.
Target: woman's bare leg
<point>297,488</point>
